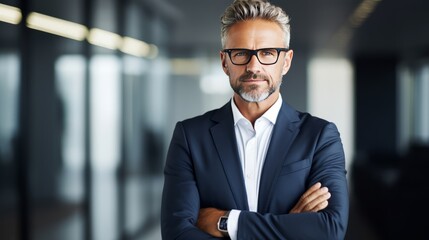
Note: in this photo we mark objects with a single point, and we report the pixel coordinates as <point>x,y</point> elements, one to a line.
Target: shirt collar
<point>271,114</point>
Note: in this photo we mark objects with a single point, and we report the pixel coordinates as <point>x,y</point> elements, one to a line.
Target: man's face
<point>255,82</point>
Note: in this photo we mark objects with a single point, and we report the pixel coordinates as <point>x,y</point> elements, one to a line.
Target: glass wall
<point>421,104</point>
<point>82,114</point>
<point>9,113</point>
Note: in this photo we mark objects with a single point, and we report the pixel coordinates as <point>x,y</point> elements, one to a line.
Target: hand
<point>313,200</point>
<point>207,220</point>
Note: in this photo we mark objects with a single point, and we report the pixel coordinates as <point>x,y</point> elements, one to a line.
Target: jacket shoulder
<point>209,117</point>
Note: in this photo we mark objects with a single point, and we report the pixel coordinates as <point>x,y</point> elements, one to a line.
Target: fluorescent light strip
<point>185,66</point>
<point>138,48</point>
<point>356,19</point>
<point>56,26</point>
<point>10,14</point>
<point>104,38</point>
<point>79,32</point>
<point>153,51</point>
<point>363,11</point>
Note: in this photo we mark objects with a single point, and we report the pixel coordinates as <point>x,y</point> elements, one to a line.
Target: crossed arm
<point>313,200</point>
<point>191,186</point>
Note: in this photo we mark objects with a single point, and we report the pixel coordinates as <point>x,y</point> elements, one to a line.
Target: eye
<point>268,52</point>
<point>240,53</point>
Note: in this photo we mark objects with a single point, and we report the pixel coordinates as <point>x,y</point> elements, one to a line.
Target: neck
<point>254,110</point>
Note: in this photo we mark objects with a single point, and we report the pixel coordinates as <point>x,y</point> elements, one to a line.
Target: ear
<point>224,63</point>
<point>288,62</point>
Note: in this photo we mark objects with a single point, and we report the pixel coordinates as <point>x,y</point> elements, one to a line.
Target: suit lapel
<point>284,133</point>
<point>224,139</point>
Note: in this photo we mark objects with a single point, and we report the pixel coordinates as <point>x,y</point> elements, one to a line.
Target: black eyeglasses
<point>266,56</point>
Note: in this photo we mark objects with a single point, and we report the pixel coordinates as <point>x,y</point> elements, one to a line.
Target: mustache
<point>249,75</point>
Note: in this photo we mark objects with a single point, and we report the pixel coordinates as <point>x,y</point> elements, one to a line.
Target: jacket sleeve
<point>328,167</point>
<point>180,199</point>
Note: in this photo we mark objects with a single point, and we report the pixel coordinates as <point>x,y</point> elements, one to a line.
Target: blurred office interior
<point>90,91</point>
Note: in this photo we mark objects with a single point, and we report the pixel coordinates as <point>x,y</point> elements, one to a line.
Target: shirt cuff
<point>233,223</point>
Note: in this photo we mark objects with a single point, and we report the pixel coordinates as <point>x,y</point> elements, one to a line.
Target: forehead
<point>254,34</point>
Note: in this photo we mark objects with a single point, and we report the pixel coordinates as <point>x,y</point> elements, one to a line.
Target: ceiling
<point>394,27</point>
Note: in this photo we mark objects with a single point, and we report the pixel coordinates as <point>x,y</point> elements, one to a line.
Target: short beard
<point>252,95</point>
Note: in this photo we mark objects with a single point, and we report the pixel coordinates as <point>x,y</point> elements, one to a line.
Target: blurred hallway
<point>90,91</point>
<point>359,225</point>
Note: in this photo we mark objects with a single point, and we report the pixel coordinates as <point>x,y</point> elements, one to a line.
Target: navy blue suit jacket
<point>203,169</point>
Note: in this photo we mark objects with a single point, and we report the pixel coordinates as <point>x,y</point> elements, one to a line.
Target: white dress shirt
<point>252,142</point>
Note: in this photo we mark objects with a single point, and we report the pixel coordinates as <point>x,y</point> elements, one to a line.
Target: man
<point>255,168</point>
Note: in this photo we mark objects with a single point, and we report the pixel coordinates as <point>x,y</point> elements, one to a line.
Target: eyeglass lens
<point>265,56</point>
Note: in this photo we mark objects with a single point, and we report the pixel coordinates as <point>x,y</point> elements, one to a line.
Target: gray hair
<point>241,10</point>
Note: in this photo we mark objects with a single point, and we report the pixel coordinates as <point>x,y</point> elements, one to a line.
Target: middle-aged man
<point>255,168</point>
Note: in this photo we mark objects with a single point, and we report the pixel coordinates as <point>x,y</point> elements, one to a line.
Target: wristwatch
<point>222,225</point>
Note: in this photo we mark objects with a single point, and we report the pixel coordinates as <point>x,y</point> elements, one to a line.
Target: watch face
<point>223,223</point>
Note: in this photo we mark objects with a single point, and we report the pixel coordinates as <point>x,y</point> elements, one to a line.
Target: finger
<point>305,200</point>
<point>313,188</point>
<point>320,206</point>
<point>323,203</point>
<point>314,199</point>
<point>310,198</point>
<point>313,205</point>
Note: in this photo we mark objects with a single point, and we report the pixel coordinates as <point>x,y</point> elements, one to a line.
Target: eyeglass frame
<point>254,53</point>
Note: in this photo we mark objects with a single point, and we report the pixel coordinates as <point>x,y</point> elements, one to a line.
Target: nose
<point>253,65</point>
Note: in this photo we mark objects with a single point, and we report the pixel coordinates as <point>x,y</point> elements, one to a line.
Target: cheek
<point>233,79</point>
<point>280,75</point>
<point>275,74</point>
<point>234,74</point>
